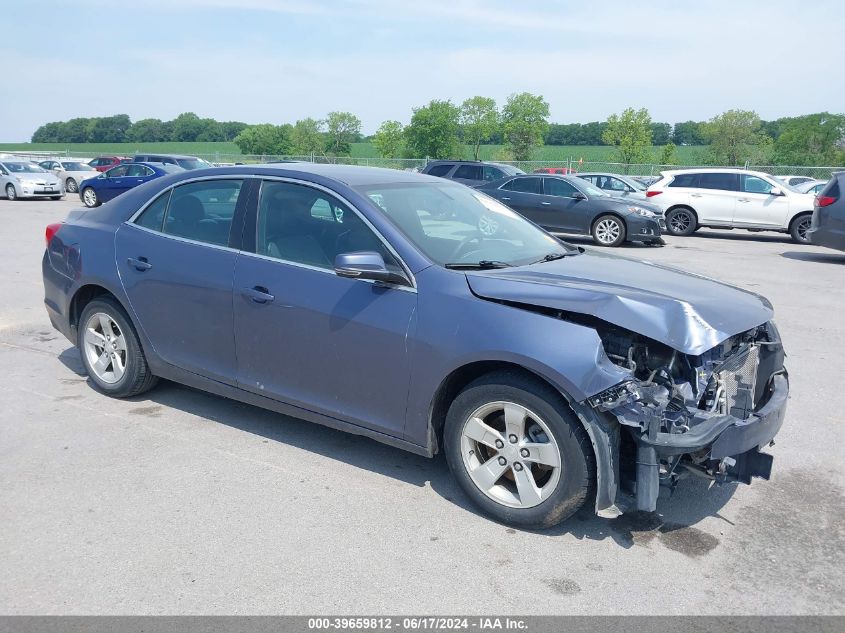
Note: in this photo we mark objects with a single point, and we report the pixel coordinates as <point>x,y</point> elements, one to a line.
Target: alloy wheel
<point>608,231</point>
<point>510,454</point>
<point>11,194</point>
<point>89,197</point>
<point>71,185</point>
<point>105,348</point>
<point>802,228</point>
<point>680,222</point>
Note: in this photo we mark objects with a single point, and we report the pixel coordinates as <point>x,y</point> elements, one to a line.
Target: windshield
<point>636,184</point>
<point>19,168</point>
<point>192,163</point>
<point>77,167</point>
<point>453,224</point>
<point>510,170</point>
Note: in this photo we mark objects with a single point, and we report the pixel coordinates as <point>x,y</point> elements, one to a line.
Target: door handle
<point>743,200</point>
<point>696,195</point>
<point>546,204</point>
<point>140,264</point>
<point>505,198</point>
<point>258,294</point>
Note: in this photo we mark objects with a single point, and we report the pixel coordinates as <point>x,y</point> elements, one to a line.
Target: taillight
<point>51,231</point>
<point>651,194</point>
<point>825,201</point>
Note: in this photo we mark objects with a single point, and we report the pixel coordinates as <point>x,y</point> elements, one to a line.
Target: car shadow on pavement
<point>819,258</point>
<point>741,236</point>
<point>673,522</point>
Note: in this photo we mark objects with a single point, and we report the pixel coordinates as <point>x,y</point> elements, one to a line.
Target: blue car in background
<point>117,180</point>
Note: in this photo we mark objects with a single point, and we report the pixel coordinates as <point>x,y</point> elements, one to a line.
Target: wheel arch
<point>615,214</point>
<point>687,207</point>
<point>85,294</point>
<point>796,217</point>
<point>603,432</point>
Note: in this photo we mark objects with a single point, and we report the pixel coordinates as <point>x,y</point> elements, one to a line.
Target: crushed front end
<point>707,415</point>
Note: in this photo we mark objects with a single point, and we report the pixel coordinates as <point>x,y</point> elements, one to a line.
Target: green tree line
<point>442,129</point>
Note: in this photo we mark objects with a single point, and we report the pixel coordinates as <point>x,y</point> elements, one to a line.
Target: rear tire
<point>90,198</point>
<point>548,472</point>
<point>609,230</point>
<point>799,226</point>
<point>110,350</point>
<point>681,221</point>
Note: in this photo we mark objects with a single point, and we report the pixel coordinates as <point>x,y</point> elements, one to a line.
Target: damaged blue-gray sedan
<point>373,301</point>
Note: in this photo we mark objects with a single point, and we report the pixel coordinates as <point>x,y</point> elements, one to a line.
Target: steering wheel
<point>464,242</point>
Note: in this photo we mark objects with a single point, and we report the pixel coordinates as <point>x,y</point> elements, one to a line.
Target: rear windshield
<point>192,163</point>
<point>77,167</point>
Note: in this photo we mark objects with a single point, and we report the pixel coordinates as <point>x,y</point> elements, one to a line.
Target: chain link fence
<point>415,164</point>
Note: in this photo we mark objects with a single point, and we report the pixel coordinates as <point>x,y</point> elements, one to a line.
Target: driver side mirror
<point>579,196</point>
<point>775,191</point>
<point>366,265</point>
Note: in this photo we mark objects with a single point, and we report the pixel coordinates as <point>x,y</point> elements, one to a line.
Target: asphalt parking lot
<point>179,502</point>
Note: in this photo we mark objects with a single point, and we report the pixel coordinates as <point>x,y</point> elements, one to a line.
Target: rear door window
<point>685,180</point>
<point>468,172</point>
<point>723,182</point>
<point>439,170</point>
<point>203,211</point>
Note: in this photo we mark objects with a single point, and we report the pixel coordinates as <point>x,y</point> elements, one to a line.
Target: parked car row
<point>96,181</point>
<point>731,198</point>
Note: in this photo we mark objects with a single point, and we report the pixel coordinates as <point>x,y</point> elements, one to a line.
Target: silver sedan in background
<point>811,186</point>
<point>70,171</point>
<point>22,179</point>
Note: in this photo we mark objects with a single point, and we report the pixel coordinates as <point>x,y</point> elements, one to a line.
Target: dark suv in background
<point>185,162</point>
<point>470,172</point>
<point>828,225</point>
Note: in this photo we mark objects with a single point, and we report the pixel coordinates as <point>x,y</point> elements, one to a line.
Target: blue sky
<point>280,60</point>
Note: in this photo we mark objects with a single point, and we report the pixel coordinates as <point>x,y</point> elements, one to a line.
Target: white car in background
<point>71,171</point>
<point>22,179</point>
<point>731,198</point>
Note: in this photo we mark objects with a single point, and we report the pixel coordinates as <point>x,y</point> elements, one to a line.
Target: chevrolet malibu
<point>550,376</point>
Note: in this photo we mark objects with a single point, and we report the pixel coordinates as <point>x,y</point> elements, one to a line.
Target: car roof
<point>164,155</point>
<point>350,175</point>
<point>607,173</point>
<point>714,170</point>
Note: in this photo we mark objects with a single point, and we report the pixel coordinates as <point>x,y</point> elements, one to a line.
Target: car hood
<point>631,201</point>
<point>28,176</point>
<point>685,311</point>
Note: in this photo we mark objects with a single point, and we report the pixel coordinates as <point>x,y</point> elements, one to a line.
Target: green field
<point>685,155</point>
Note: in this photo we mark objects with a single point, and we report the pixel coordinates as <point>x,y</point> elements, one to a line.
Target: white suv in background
<point>731,198</point>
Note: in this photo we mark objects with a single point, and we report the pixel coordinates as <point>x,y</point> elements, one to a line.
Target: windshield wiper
<point>553,256</point>
<point>483,264</point>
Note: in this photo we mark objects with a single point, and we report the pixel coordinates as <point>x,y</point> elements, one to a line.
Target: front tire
<point>111,352</point>
<point>681,221</point>
<point>71,186</point>
<point>517,450</point>
<point>609,230</point>
<point>89,198</point>
<point>799,227</point>
<point>11,193</point>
